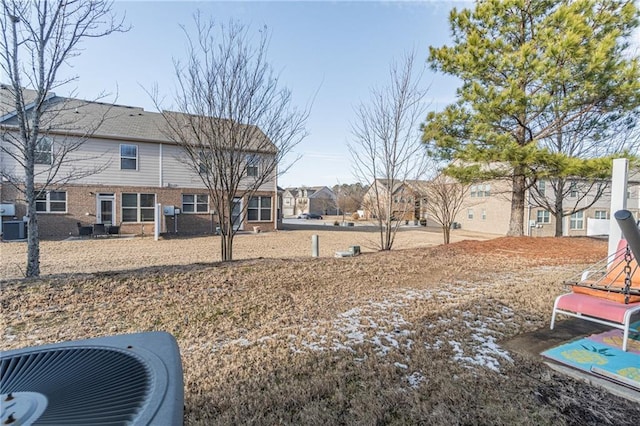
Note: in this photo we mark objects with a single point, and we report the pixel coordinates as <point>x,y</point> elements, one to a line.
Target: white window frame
<point>252,165</point>
<point>128,157</point>
<point>542,187</point>
<point>260,209</point>
<point>470,214</point>
<point>483,214</point>
<point>473,190</point>
<point>39,153</point>
<point>573,189</point>
<point>45,199</point>
<point>543,216</point>
<point>577,221</point>
<point>138,208</point>
<point>203,162</point>
<point>199,200</point>
<point>598,213</point>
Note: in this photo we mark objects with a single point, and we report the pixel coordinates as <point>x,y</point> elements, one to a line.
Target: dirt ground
<point>410,336</point>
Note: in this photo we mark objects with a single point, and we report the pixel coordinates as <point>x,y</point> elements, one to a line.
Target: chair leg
<point>625,337</point>
<point>553,315</point>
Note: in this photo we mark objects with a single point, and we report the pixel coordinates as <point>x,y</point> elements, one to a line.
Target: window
<point>543,216</point>
<point>481,190</point>
<point>470,214</point>
<point>43,151</point>
<point>195,203</point>
<point>541,187</point>
<point>128,157</point>
<point>577,221</point>
<point>52,202</point>
<point>573,190</point>
<point>601,214</point>
<point>252,165</point>
<point>484,214</point>
<point>203,164</point>
<point>138,207</point>
<point>259,208</point>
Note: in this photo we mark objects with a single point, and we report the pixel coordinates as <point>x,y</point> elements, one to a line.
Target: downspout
<point>160,177</point>
<point>528,220</point>
<point>277,200</point>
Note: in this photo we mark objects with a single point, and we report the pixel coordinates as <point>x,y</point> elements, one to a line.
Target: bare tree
<point>567,186</point>
<point>349,197</point>
<point>38,38</point>
<point>387,150</point>
<point>234,121</point>
<point>445,197</point>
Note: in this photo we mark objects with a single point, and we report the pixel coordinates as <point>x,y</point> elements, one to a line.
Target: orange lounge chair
<point>600,296</point>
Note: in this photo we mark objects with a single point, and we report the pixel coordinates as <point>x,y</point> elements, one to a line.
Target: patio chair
<point>84,230</point>
<point>608,295</point>
<point>99,230</point>
<point>113,230</point>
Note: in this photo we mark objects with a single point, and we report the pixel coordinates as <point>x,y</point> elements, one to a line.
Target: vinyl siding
<point>176,169</point>
<point>104,154</point>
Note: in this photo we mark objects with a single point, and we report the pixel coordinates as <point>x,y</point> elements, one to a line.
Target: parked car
<point>309,216</point>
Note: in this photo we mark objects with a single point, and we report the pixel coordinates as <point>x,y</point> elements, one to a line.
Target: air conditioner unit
<point>126,379</point>
<point>168,210</point>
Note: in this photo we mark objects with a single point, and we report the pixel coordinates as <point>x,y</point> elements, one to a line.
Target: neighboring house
<point>594,220</point>
<point>407,198</point>
<point>487,208</point>
<point>314,199</point>
<point>136,166</point>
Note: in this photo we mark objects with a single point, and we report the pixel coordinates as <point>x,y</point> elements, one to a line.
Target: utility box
<point>168,210</point>
<point>7,209</point>
<point>14,230</point>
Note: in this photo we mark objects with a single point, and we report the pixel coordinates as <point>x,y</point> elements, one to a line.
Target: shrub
<point>355,216</point>
<point>336,223</point>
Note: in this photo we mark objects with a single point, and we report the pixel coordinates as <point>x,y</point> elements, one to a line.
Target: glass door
<point>236,214</point>
<point>106,209</point>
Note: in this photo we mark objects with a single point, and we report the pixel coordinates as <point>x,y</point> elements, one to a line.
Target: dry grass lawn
<point>411,336</point>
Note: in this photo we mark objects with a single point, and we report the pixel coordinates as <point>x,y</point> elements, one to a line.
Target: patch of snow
<point>415,379</point>
<point>484,351</point>
<point>400,365</point>
<point>437,345</point>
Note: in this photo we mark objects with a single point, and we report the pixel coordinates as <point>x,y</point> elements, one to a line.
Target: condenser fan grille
<point>81,385</point>
<point>126,379</point>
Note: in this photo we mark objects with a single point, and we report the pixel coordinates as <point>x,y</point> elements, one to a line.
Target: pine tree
<point>531,71</point>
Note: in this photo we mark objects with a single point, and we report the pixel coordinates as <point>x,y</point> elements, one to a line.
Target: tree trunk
<point>559,207</point>
<point>446,233</point>
<point>33,235</point>
<point>516,222</point>
<point>226,239</point>
<point>33,238</point>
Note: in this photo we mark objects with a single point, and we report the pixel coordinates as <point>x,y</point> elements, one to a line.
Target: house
<point>487,208</point>
<point>127,166</point>
<point>407,197</point>
<point>593,220</point>
<point>313,199</point>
